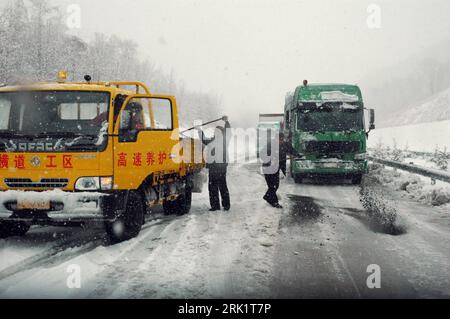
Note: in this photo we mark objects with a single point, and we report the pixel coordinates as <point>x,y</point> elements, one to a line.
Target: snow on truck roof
<point>338,96</point>
<point>328,93</point>
<point>269,124</point>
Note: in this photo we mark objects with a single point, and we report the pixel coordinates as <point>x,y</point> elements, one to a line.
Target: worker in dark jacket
<point>217,164</point>
<point>273,160</point>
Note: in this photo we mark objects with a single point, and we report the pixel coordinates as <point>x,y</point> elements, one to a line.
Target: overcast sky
<point>251,52</point>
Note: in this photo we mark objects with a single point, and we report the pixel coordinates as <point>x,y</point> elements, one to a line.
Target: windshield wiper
<point>66,135</point>
<point>48,134</point>
<point>14,135</point>
<point>83,146</point>
<point>79,143</point>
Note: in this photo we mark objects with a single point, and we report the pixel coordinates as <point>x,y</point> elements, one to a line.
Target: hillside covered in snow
<point>436,108</point>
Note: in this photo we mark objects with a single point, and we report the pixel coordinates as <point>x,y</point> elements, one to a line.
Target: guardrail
<point>446,155</point>
<point>434,174</point>
<point>415,153</point>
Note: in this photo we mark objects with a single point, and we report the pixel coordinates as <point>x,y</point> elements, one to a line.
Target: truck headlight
<point>94,183</point>
<point>88,184</point>
<point>361,156</point>
<point>106,183</point>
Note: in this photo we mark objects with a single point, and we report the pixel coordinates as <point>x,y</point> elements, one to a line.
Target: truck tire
<point>290,169</point>
<point>169,207</point>
<point>182,205</point>
<point>129,224</point>
<point>297,179</point>
<point>10,229</point>
<point>357,179</point>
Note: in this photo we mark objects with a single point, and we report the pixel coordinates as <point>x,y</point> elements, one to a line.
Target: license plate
<point>38,205</point>
<point>330,165</point>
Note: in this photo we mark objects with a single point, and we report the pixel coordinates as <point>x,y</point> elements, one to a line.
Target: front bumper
<point>65,207</point>
<point>331,167</point>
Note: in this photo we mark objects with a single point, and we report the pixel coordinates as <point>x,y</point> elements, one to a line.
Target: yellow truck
<point>72,153</point>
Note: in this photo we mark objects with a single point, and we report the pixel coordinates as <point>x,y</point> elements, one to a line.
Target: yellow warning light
<point>62,76</point>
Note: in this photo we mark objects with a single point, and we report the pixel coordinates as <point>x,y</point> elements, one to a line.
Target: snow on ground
<point>413,186</point>
<point>39,240</point>
<point>423,161</point>
<point>318,246</point>
<point>439,160</point>
<point>422,137</point>
<point>13,254</point>
<point>185,256</point>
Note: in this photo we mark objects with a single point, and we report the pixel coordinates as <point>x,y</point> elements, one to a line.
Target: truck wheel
<point>169,207</point>
<point>298,179</point>
<point>357,179</point>
<point>129,224</point>
<point>10,229</point>
<point>183,203</point>
<point>290,169</point>
<point>180,206</point>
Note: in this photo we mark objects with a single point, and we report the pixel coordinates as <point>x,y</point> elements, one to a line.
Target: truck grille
<point>332,147</point>
<point>44,183</point>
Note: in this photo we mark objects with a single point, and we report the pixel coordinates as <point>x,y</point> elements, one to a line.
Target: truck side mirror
<point>372,119</point>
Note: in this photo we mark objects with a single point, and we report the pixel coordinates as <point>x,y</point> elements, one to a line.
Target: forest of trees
<point>35,44</point>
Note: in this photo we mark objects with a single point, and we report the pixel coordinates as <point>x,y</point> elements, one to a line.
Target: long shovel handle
<point>203,124</point>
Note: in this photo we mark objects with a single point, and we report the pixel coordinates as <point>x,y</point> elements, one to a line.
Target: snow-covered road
<point>319,245</point>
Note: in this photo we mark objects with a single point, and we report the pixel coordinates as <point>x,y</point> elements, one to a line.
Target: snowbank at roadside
<point>424,137</point>
<point>413,186</point>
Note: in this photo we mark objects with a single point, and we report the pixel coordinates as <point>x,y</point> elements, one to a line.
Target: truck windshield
<point>330,117</point>
<point>69,115</point>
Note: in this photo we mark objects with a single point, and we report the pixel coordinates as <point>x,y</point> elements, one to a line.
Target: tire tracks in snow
<point>244,256</point>
<point>256,251</point>
<point>55,253</point>
<point>248,271</point>
<point>79,243</point>
<point>305,266</point>
<point>123,269</point>
<point>208,254</point>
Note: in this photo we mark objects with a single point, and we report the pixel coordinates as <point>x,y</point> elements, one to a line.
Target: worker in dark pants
<point>217,164</point>
<point>273,161</point>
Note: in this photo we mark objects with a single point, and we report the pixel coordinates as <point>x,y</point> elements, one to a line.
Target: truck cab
<point>325,125</point>
<point>72,153</point>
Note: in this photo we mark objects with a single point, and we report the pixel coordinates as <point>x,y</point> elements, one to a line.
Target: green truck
<point>325,126</point>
